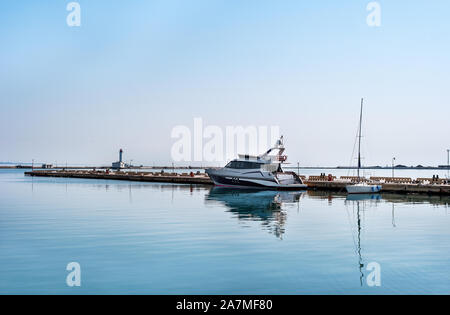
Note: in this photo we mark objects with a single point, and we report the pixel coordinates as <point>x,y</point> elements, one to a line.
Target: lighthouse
<point>120,164</point>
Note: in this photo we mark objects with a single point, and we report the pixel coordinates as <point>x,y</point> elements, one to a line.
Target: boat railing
<point>397,180</point>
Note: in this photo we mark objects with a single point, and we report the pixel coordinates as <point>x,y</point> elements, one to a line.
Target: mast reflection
<point>360,261</point>
<point>358,199</point>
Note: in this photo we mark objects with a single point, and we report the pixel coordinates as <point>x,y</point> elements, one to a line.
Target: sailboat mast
<point>359,136</point>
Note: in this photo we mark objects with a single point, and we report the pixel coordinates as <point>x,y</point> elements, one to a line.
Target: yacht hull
<point>363,189</point>
<point>255,180</point>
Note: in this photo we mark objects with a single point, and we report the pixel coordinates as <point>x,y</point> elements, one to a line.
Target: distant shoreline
<point>440,167</point>
<point>372,167</point>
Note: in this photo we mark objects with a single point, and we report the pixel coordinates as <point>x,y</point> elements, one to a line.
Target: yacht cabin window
<point>243,165</point>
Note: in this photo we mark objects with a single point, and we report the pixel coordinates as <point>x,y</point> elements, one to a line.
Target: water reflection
<point>358,200</point>
<point>393,215</point>
<point>363,197</point>
<point>359,203</point>
<point>256,205</point>
<point>108,185</point>
<point>437,200</point>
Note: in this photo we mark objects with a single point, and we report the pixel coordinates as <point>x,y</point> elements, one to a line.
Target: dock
<point>321,183</point>
<point>160,177</point>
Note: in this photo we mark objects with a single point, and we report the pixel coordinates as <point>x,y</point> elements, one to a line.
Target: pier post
<point>448,163</point>
<point>393,167</point>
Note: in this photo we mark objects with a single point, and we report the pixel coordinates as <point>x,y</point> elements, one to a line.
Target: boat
<point>262,171</point>
<point>362,187</point>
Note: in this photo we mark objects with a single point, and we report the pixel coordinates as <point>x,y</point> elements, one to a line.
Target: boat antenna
<point>359,136</point>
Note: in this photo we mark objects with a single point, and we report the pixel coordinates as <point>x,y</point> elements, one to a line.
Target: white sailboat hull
<point>363,189</point>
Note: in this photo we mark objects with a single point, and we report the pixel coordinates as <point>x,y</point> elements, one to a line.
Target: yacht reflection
<point>363,197</point>
<point>256,205</point>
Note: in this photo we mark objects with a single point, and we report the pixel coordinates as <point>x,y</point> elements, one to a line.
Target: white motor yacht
<point>262,171</point>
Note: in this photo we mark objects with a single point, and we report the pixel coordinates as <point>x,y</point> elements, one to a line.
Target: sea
<point>87,236</point>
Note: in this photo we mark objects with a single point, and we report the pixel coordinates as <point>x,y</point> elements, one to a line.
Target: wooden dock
<point>393,185</point>
<point>325,183</point>
<point>184,178</point>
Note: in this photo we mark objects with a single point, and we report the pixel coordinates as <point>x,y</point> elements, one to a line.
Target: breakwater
<point>332,183</point>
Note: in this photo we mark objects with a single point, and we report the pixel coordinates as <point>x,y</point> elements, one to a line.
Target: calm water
<point>151,238</point>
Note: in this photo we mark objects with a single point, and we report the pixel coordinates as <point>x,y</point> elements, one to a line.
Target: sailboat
<point>361,187</point>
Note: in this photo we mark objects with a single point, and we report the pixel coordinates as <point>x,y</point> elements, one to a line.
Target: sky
<point>134,70</point>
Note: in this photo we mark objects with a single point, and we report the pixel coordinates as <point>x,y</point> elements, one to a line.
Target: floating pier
<point>328,183</point>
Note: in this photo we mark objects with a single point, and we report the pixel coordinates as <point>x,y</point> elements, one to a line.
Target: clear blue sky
<point>135,69</point>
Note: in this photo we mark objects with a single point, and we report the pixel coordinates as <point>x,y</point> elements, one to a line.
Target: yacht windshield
<point>243,165</point>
